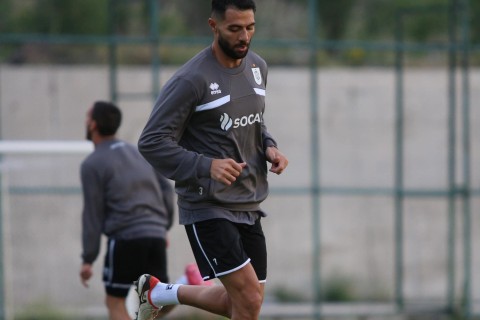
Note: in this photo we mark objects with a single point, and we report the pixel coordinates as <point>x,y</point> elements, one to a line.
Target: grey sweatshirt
<point>124,198</point>
<point>206,112</point>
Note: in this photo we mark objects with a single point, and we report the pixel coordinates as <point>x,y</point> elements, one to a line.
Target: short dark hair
<point>107,116</point>
<point>220,6</point>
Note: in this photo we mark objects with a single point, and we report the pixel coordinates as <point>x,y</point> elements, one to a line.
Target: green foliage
<point>172,24</point>
<point>355,56</point>
<point>474,18</point>
<point>185,17</point>
<point>334,17</point>
<point>338,289</point>
<point>368,19</point>
<point>41,310</point>
<point>61,17</point>
<point>285,295</point>
<point>427,21</point>
<point>5,17</point>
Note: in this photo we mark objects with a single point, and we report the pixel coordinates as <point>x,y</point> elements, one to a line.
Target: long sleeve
<point>159,141</point>
<point>93,213</point>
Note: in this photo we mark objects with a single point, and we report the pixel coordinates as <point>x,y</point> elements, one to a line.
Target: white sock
<point>164,294</point>
<point>182,280</point>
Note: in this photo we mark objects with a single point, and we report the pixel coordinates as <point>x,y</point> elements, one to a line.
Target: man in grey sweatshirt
<point>207,133</point>
<point>126,200</point>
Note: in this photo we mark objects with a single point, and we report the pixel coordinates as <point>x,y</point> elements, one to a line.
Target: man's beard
<point>230,51</point>
<point>88,135</point>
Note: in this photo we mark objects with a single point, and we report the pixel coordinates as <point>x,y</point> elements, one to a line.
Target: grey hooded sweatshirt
<point>205,112</point>
<point>124,198</point>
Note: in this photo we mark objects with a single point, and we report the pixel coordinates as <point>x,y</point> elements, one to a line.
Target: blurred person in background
<point>125,199</point>
<point>207,133</point>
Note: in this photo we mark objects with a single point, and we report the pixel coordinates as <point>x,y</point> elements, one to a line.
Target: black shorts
<point>126,260</point>
<point>221,247</point>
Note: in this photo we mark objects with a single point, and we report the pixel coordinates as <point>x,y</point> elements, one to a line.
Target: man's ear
<point>92,125</point>
<point>213,24</point>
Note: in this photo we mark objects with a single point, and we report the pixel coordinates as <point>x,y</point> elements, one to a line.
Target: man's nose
<point>244,35</point>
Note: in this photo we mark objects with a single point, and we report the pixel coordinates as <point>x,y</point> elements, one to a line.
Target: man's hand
<point>226,171</point>
<point>278,160</point>
<point>86,273</point>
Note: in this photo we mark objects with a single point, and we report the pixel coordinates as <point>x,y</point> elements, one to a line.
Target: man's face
<point>235,32</point>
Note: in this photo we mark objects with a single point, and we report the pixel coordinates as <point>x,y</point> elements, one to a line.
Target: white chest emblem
<point>257,75</point>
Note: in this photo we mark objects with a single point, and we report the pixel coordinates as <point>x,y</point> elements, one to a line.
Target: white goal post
<point>36,182</point>
<point>46,146</point>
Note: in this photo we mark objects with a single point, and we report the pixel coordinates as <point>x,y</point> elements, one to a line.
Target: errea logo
<point>215,88</point>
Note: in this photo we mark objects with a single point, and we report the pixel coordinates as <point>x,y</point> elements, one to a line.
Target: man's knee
<point>253,302</point>
<point>248,308</point>
<point>249,302</point>
<point>245,293</point>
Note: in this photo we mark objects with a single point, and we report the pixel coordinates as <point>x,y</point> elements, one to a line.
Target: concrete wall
<point>357,143</point>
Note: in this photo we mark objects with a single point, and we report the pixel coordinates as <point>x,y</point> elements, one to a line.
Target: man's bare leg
<point>240,297</point>
<point>116,308</point>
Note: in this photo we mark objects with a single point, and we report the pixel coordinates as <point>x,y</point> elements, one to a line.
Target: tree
<point>63,17</point>
<point>334,17</point>
<point>5,17</point>
<point>474,16</point>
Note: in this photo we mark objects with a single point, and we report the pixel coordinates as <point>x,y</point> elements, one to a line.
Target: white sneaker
<point>146,310</point>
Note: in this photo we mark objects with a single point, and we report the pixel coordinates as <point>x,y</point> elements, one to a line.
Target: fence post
<point>399,56</point>
<point>315,159</point>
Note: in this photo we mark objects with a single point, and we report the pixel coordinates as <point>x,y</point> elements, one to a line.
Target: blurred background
<point>374,102</point>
